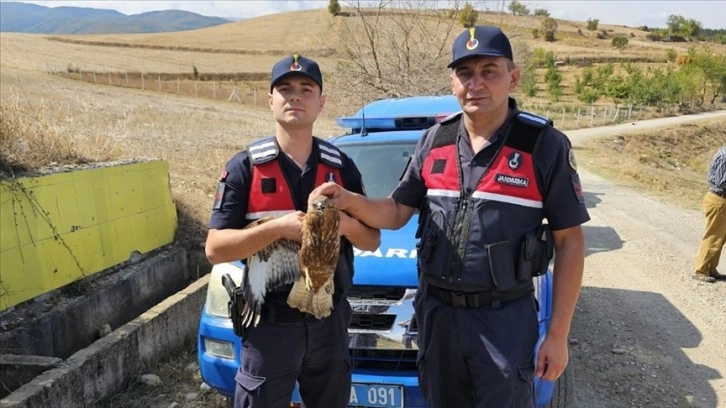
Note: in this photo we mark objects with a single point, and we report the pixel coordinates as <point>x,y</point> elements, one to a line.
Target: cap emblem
<point>473,42</point>
<point>295,65</point>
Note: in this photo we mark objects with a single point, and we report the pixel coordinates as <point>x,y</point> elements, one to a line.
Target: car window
<point>381,164</point>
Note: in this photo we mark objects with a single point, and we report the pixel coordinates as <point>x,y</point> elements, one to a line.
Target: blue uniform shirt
<point>563,204</point>
<point>717,172</point>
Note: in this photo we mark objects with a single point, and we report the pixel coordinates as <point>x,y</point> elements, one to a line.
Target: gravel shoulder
<point>645,334</point>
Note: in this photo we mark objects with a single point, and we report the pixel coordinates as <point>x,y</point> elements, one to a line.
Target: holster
<point>235,305</point>
<point>535,254</point>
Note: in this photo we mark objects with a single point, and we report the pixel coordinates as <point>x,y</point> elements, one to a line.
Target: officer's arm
<point>568,269</point>
<point>379,213</point>
<point>360,235</point>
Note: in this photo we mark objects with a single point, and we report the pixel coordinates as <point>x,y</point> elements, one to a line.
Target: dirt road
<point>645,334</point>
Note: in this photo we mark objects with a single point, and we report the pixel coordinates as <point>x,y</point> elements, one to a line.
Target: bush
<point>653,37</point>
<point>541,12</point>
<point>671,55</point>
<point>549,28</point>
<point>620,43</point>
<point>334,7</point>
<point>592,24</point>
<point>468,16</point>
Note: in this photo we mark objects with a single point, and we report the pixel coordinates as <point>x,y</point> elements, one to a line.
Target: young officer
<point>274,176</point>
<point>484,180</point>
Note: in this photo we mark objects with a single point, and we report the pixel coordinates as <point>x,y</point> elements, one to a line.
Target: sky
<point>634,13</point>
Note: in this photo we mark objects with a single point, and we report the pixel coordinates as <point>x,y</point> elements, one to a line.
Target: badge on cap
<point>571,160</point>
<point>473,42</point>
<point>295,65</point>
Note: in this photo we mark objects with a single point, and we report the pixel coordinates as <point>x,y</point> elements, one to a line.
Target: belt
<point>474,300</point>
<point>279,313</point>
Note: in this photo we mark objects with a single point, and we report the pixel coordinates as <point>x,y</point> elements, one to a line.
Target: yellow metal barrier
<point>59,228</point>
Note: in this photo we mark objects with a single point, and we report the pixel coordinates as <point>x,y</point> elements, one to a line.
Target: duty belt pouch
<point>429,236</point>
<point>527,257</point>
<point>501,265</point>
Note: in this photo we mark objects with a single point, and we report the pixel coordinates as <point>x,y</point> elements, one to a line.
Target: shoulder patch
<point>329,154</point>
<point>533,120</point>
<point>451,118</point>
<point>263,150</point>
<point>571,159</point>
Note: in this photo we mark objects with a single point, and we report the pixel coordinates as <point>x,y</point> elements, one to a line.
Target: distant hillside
<point>32,18</point>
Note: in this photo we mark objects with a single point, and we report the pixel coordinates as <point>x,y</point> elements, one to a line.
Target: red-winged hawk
<point>281,263</point>
<point>318,256</point>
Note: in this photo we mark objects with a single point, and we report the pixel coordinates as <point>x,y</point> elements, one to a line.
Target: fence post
<point>126,74</point>
<point>80,74</point>
<point>214,90</point>
<point>159,82</point>
<point>142,81</point>
<point>177,84</point>
<point>563,117</point>
<point>254,96</point>
<point>592,114</point>
<point>195,88</point>
<point>630,110</point>
<point>94,76</point>
<point>605,114</point>
<point>577,122</point>
<point>109,77</point>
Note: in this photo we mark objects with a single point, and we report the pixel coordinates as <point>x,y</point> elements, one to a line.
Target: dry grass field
<point>198,135</point>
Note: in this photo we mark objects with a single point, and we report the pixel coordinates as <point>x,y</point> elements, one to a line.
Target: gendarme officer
<point>273,177</point>
<point>483,181</point>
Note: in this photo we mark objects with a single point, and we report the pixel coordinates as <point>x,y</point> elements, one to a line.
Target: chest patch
<point>438,166</point>
<point>269,185</point>
<point>514,160</point>
<point>512,180</point>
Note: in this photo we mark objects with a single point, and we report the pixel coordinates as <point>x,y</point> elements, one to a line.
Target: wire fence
<point>245,88</point>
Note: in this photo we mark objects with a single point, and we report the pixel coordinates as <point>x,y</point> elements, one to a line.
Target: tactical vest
<point>470,240</point>
<point>270,195</point>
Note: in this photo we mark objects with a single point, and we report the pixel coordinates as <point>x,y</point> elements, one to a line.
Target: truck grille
<point>390,360</point>
<point>376,293</point>
<point>376,322</point>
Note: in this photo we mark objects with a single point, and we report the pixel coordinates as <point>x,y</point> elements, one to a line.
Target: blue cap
<point>485,41</point>
<point>296,64</point>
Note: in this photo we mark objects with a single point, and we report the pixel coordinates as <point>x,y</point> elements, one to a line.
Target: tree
<point>620,43</point>
<point>549,28</point>
<point>518,8</point>
<point>334,7</point>
<point>541,12</point>
<point>528,79</point>
<point>468,16</point>
<point>554,83</point>
<point>592,23</point>
<point>387,54</point>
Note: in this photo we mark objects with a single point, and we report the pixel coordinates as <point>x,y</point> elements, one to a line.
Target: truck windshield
<point>380,164</point>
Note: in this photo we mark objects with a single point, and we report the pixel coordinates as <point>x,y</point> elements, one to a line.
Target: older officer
<point>714,206</point>
<point>484,180</point>
<point>274,177</point>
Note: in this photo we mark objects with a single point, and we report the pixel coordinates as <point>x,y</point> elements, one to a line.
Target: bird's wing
<point>273,266</point>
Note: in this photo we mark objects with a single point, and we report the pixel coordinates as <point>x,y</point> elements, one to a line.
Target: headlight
<point>218,348</point>
<point>217,296</point>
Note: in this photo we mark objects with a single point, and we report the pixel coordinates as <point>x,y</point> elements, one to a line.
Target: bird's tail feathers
<point>322,302</point>
<point>300,297</point>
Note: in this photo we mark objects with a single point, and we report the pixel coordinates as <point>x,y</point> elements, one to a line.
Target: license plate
<point>376,395</point>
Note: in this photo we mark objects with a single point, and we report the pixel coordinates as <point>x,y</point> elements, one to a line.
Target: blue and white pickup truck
<point>383,332</point>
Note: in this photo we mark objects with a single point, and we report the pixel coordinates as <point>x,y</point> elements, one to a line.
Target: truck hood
<point>393,263</point>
